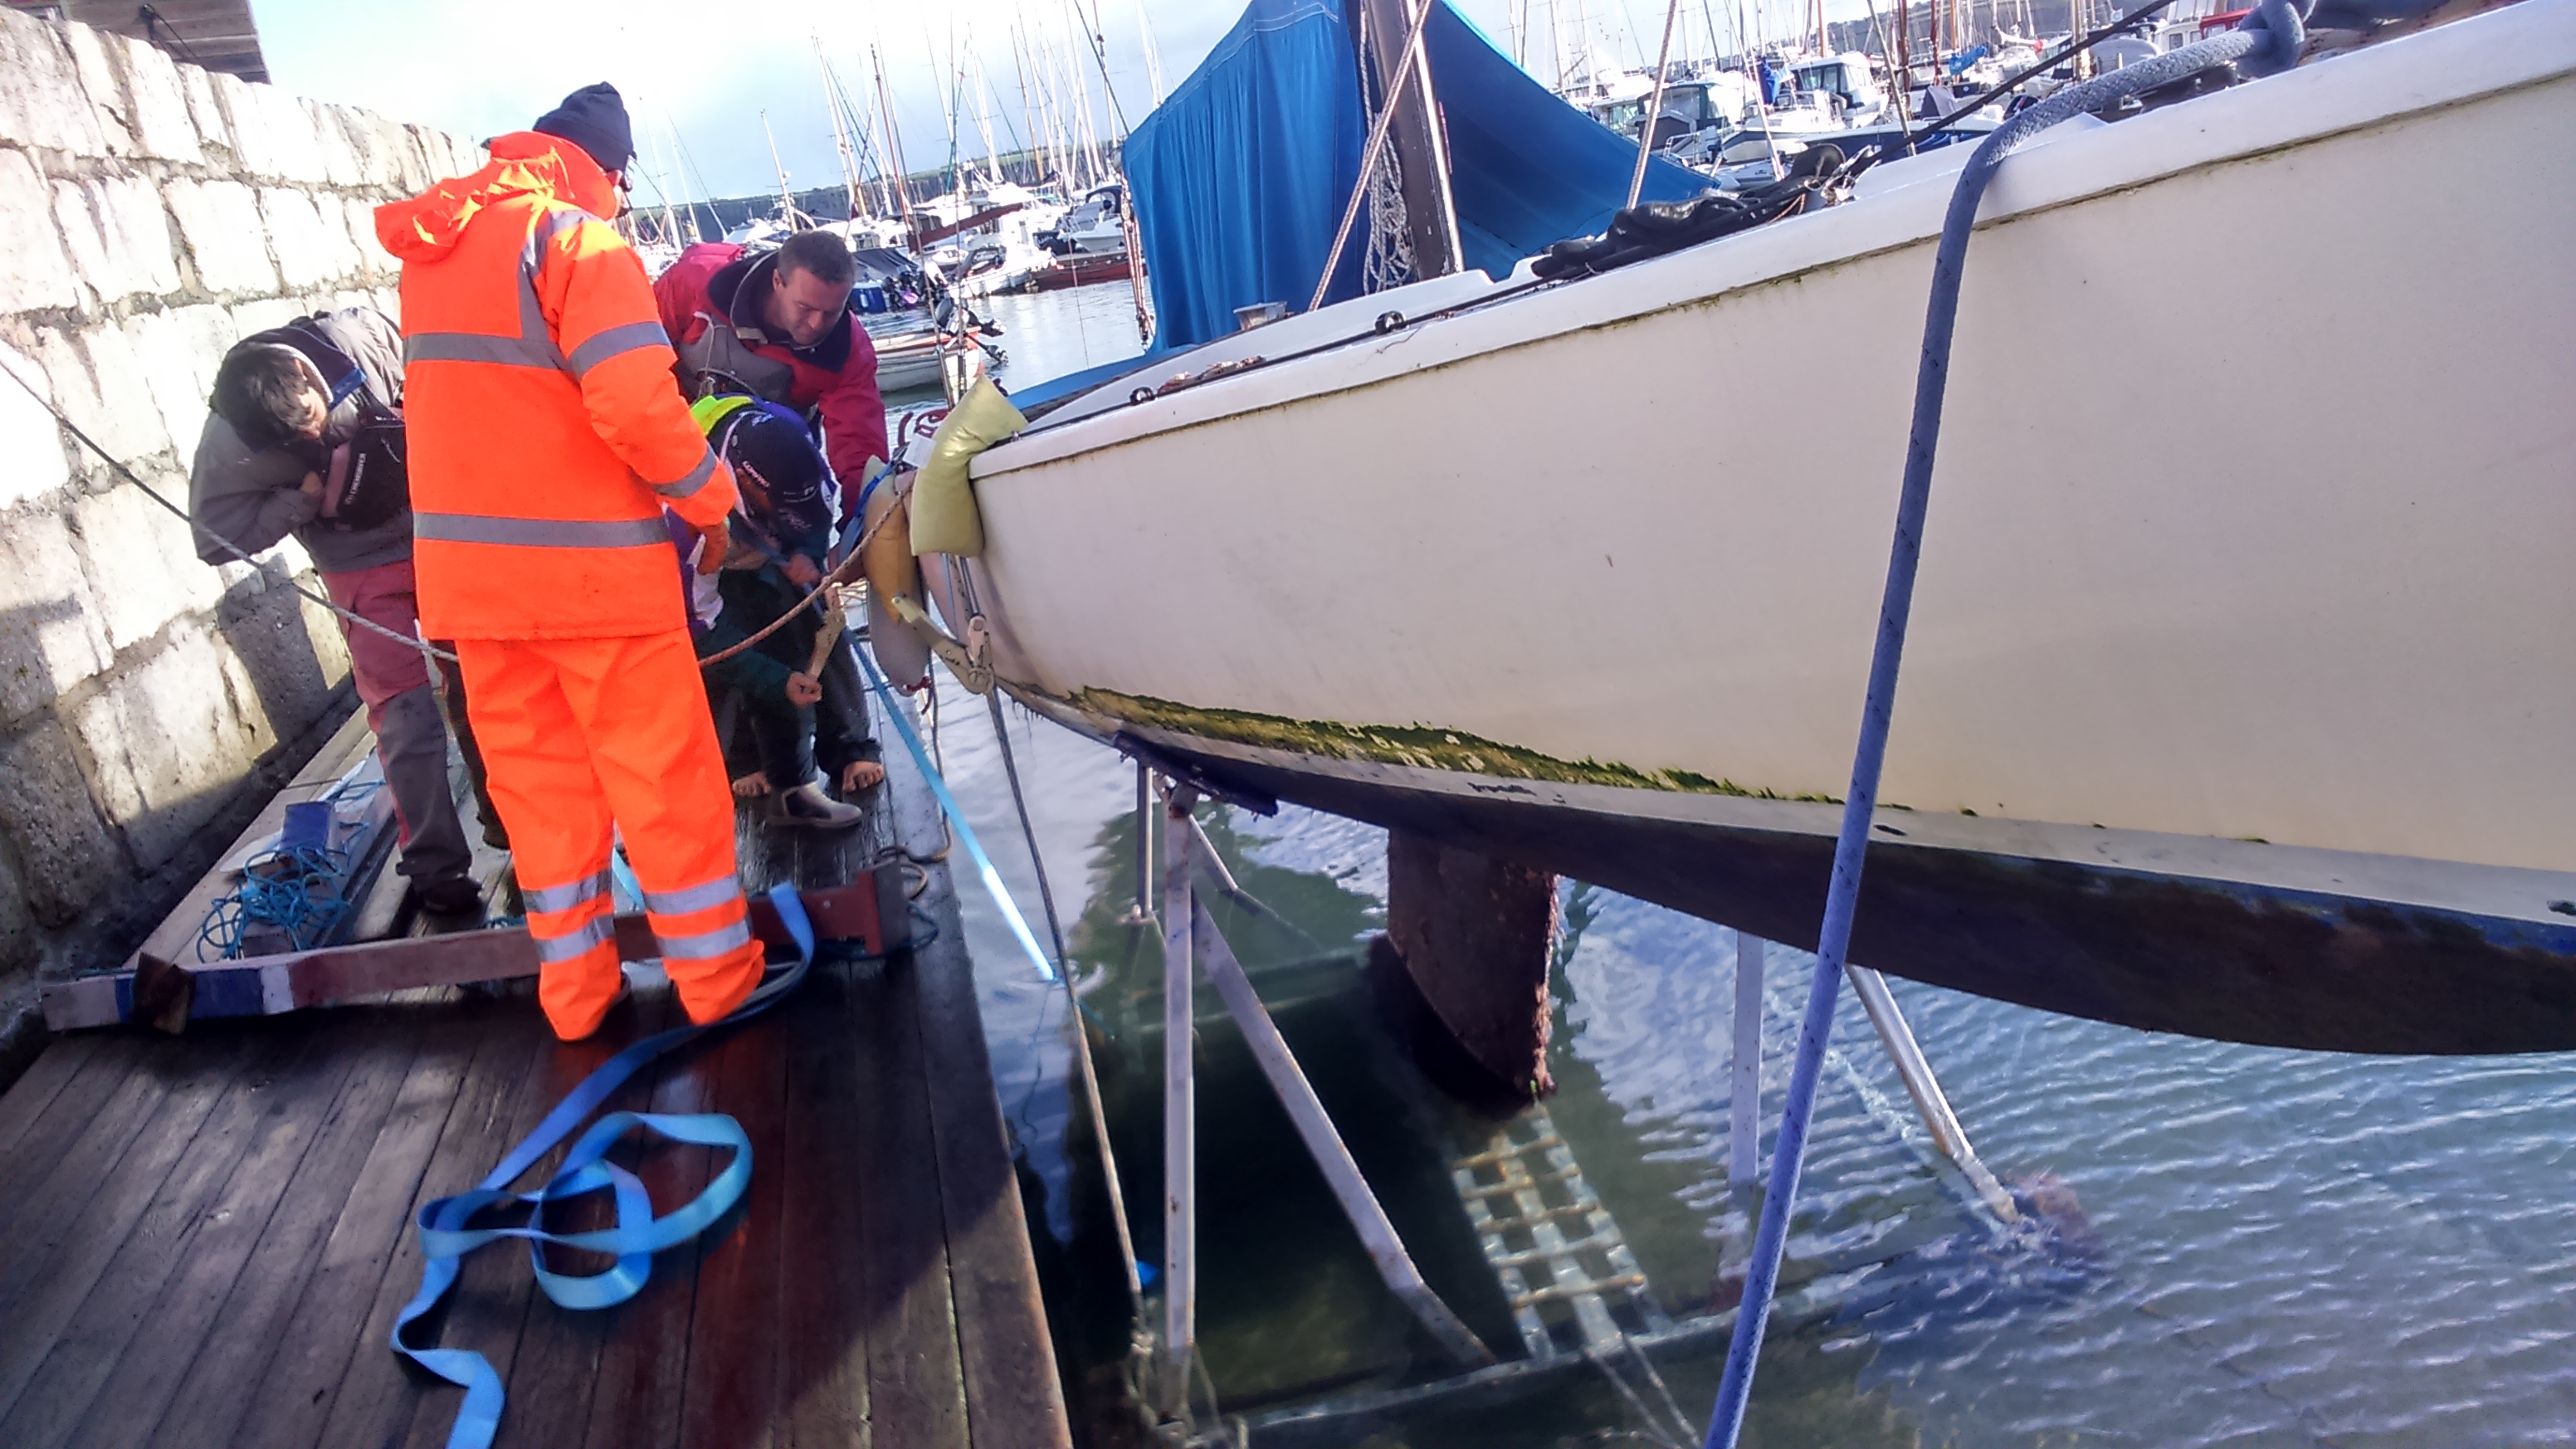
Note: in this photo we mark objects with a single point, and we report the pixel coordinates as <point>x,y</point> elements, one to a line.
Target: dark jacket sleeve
<point>753,671</point>
<point>854,419</point>
<point>248,499</point>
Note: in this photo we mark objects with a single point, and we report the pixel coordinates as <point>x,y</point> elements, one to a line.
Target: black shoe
<point>449,896</point>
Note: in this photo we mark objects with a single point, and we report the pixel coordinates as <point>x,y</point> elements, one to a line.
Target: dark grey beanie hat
<point>594,118</point>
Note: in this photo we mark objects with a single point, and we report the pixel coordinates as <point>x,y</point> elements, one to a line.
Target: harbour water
<point>2231,1245</point>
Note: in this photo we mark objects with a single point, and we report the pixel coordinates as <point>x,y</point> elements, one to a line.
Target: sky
<point>699,76</point>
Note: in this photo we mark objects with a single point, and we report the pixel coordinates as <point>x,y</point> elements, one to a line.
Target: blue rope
<point>639,1234</point>
<point>2271,41</point>
<point>300,891</point>
<point>957,817</point>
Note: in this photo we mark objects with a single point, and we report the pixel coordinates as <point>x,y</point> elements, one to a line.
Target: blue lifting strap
<point>957,817</point>
<point>639,1234</point>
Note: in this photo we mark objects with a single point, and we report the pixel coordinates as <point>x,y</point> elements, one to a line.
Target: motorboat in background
<point>1095,226</point>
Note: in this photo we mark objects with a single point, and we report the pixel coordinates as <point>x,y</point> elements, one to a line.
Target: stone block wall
<point>151,215</point>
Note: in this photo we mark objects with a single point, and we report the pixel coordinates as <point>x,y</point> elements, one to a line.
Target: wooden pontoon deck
<point>204,1240</point>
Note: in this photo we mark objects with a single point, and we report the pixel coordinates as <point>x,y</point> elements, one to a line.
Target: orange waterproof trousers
<point>577,733</point>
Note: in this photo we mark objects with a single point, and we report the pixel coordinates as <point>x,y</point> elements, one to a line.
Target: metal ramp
<point>1574,1286</point>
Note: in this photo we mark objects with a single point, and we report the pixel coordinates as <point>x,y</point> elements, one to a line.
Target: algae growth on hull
<point>1418,746</point>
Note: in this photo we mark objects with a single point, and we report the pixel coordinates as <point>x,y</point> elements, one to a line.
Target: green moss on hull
<point>1418,746</point>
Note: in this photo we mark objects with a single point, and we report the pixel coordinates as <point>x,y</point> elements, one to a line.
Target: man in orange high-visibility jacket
<point>546,440</point>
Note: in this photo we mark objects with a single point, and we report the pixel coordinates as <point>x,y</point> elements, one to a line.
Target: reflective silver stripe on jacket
<point>566,897</point>
<point>690,482</point>
<point>540,532</point>
<point>592,934</point>
<point>616,342</point>
<point>535,344</point>
<point>705,946</point>
<point>695,898</point>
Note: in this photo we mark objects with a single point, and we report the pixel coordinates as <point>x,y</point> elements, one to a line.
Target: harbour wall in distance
<point>152,214</point>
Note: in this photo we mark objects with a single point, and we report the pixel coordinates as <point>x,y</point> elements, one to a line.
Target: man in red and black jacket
<point>778,325</point>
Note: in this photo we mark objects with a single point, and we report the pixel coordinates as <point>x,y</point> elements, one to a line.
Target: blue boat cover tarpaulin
<point>1240,177</point>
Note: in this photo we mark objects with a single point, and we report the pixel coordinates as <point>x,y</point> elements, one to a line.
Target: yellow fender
<point>886,559</point>
<point>944,518</point>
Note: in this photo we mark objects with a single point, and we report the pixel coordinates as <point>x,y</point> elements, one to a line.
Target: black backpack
<point>370,478</point>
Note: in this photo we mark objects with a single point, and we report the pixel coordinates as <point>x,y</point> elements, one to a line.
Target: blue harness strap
<point>638,1235</point>
<point>957,817</point>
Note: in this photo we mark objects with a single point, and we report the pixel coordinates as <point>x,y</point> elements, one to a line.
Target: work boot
<point>453,895</point>
<point>806,804</point>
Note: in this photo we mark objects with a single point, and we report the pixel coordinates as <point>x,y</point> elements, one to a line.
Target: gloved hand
<point>804,689</point>
<point>714,542</point>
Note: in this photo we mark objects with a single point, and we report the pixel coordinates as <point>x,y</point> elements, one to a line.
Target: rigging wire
<point>408,641</point>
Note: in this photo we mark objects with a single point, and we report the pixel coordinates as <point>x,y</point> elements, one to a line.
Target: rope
<point>1369,154</point>
<point>2271,40</point>
<point>408,641</point>
<point>1081,1037</point>
<point>830,577</point>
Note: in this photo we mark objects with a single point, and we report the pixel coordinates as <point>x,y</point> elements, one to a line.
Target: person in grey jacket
<point>304,438</point>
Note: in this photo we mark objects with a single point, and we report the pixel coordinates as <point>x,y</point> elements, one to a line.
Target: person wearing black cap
<point>594,118</point>
<point>548,451</point>
<point>779,538</point>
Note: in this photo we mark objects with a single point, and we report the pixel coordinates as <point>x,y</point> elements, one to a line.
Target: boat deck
<point>204,1240</point>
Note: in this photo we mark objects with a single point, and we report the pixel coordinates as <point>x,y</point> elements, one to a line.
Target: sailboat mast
<point>786,199</point>
<point>1421,147</point>
<point>1028,112</point>
<point>1153,53</point>
<point>858,201</point>
<point>894,139</point>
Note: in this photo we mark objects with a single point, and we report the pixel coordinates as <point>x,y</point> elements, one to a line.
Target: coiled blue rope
<point>639,1234</point>
<point>299,891</point>
<point>2270,41</point>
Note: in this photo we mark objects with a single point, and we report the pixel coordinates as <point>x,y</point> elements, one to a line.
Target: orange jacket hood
<point>424,228</point>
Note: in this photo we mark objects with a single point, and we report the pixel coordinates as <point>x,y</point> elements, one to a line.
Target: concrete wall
<point>151,214</point>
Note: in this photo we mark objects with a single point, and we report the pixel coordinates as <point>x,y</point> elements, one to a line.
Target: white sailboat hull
<point>2249,551</point>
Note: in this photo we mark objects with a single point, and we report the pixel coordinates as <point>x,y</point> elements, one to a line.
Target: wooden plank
<point>293,980</point>
<point>36,1088</point>
<point>823,1322</point>
<point>1013,1394</point>
<point>205,1355</point>
<point>376,1396</point>
<point>82,1138</point>
<point>916,1390</point>
<point>71,1117</point>
<point>644,1361</point>
<point>732,1384</point>
<point>560,1350</point>
<point>287,1404</point>
<point>173,1270</point>
<point>175,938</point>
<point>488,1307</point>
<point>64,1239</point>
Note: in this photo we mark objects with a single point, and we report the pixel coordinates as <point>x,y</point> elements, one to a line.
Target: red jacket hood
<point>425,228</point>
